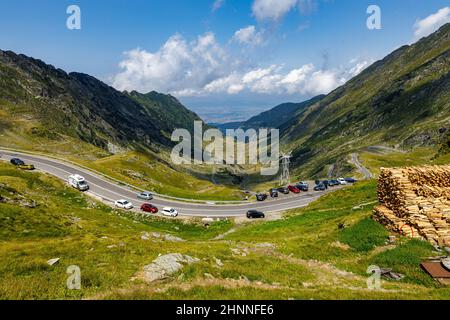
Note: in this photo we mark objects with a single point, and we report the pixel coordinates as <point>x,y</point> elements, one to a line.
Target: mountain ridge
<point>402,99</point>
<point>81,106</point>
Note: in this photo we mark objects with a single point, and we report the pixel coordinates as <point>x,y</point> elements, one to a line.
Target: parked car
<point>333,183</point>
<point>21,165</point>
<point>320,187</point>
<point>261,196</point>
<point>145,195</point>
<point>17,162</point>
<point>303,186</point>
<point>342,181</point>
<point>123,204</point>
<point>273,193</point>
<point>78,182</point>
<point>350,180</point>
<point>283,190</point>
<point>253,214</point>
<point>294,189</point>
<point>326,183</point>
<point>169,212</point>
<point>147,207</point>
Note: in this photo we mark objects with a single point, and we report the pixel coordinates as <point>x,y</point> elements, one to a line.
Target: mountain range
<point>273,118</point>
<point>401,101</point>
<point>82,107</point>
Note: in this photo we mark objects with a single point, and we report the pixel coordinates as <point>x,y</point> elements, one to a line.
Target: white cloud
<point>358,67</point>
<point>272,9</point>
<point>177,65</point>
<point>217,5</point>
<point>275,10</point>
<point>248,36</point>
<point>204,67</point>
<point>430,24</point>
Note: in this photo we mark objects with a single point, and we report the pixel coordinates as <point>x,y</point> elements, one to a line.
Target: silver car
<point>145,195</point>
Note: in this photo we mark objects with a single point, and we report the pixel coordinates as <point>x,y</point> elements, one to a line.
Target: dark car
<point>17,162</point>
<point>283,190</point>
<point>253,214</point>
<point>273,193</point>
<point>303,186</point>
<point>294,189</point>
<point>333,183</point>
<point>261,196</point>
<point>350,180</point>
<point>320,187</point>
<point>147,207</point>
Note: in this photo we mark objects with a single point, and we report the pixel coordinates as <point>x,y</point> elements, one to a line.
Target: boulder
<point>52,262</point>
<point>166,265</point>
<point>171,238</point>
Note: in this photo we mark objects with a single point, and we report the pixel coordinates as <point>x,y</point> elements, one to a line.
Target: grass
<point>415,157</point>
<point>364,235</point>
<point>295,257</point>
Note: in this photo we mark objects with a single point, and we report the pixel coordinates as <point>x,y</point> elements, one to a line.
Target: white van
<point>78,182</point>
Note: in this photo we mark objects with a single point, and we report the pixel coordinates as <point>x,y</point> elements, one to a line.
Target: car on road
<point>283,190</point>
<point>146,195</point>
<point>78,182</point>
<point>169,212</point>
<point>350,180</point>
<point>147,207</point>
<point>333,183</point>
<point>21,165</point>
<point>342,181</point>
<point>303,186</point>
<point>273,193</point>
<point>293,189</point>
<point>261,196</point>
<point>123,204</point>
<point>320,187</point>
<point>254,214</point>
<point>17,162</point>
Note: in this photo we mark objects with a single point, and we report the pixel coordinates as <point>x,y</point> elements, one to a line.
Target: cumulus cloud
<point>433,22</point>
<point>204,67</point>
<point>275,10</point>
<point>177,65</point>
<point>272,9</point>
<point>248,36</point>
<point>305,80</point>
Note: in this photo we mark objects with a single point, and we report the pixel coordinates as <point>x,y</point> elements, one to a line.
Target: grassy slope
<point>306,262</point>
<point>403,99</point>
<point>18,132</point>
<point>418,156</point>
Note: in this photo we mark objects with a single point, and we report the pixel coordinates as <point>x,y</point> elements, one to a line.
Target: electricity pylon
<point>285,177</point>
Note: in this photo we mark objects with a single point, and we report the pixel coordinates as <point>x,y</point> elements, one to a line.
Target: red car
<point>146,207</point>
<point>294,189</point>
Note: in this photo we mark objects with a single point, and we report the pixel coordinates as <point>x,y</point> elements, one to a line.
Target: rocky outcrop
<point>165,265</point>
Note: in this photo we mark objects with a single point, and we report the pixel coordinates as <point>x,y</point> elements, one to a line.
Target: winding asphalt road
<point>355,160</point>
<point>109,191</point>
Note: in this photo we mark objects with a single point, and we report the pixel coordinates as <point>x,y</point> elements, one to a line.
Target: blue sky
<point>227,59</point>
